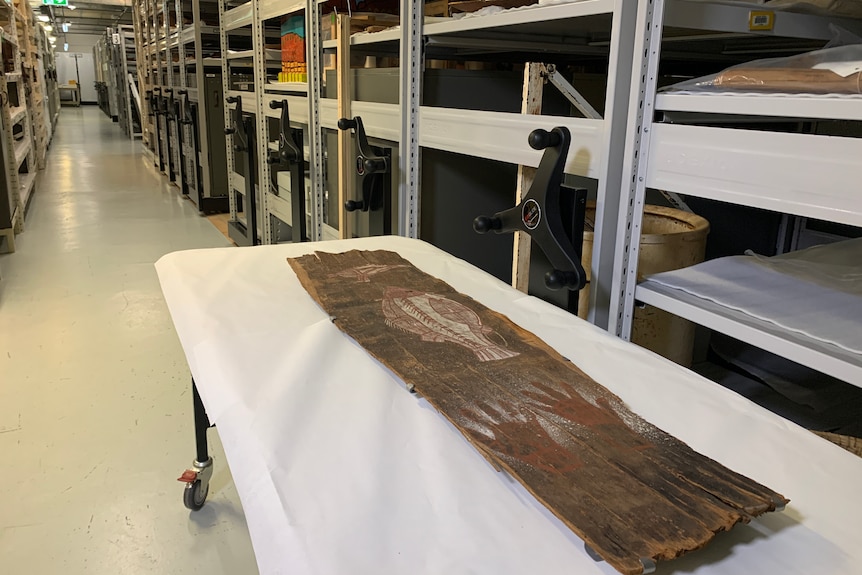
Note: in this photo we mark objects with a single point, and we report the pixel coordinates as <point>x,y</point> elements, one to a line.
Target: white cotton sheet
<point>342,471</point>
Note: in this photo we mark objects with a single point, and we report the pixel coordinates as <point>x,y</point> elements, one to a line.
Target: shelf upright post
<point>412,52</point>
<point>141,63</point>
<point>127,90</point>
<point>258,43</point>
<point>313,49</point>
<point>611,170</point>
<point>346,168</point>
<point>181,49</point>
<point>159,83</point>
<point>11,165</point>
<point>225,82</point>
<point>203,112</point>
<point>647,50</point>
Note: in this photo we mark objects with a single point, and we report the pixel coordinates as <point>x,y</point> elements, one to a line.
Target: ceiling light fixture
<point>43,17</point>
<point>70,7</point>
<point>65,46</point>
<point>47,27</point>
<point>66,26</point>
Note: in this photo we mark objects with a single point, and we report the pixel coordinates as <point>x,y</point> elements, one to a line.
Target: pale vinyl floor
<point>95,400</point>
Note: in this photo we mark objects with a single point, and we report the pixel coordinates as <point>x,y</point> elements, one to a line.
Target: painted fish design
<point>436,318</point>
<point>363,273</point>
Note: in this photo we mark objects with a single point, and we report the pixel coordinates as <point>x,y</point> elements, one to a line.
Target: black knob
<point>353,205</point>
<point>556,279</point>
<point>374,165</point>
<point>276,104</point>
<point>273,157</point>
<point>346,124</point>
<point>182,92</point>
<point>231,99</point>
<point>169,91</point>
<point>541,139</point>
<point>229,131</point>
<point>484,224</point>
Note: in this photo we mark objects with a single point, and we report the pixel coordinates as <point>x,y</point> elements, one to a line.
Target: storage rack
<point>201,107</point>
<point>499,136</point>
<point>589,30</point>
<point>33,81</point>
<point>177,45</point>
<point>142,27</point>
<point>17,139</point>
<point>628,144</point>
<point>124,69</point>
<point>683,150</point>
<point>106,90</point>
<point>48,68</point>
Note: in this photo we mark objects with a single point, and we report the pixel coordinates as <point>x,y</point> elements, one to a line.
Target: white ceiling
<point>89,16</point>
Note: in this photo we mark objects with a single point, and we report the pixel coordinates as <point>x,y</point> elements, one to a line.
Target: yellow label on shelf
<point>761,20</point>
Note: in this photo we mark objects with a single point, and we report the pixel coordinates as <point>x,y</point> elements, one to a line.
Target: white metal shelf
<point>237,181</point>
<point>289,87</point>
<point>492,135</point>
<point>775,106</point>
<point>18,113</point>
<point>237,17</point>
<point>800,174</point>
<point>823,357</point>
<point>503,137</point>
<point>390,35</point>
<point>535,22</point>
<point>22,148</point>
<point>28,183</point>
<point>545,28</point>
<point>734,18</point>
<point>188,34</point>
<point>297,106</point>
<point>243,54</point>
<point>247,98</point>
<point>275,8</point>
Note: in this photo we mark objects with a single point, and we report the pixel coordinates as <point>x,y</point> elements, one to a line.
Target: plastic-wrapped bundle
<point>841,8</point>
<point>827,71</point>
<point>847,8</point>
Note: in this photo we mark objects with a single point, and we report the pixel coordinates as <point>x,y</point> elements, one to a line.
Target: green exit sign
<point>56,2</point>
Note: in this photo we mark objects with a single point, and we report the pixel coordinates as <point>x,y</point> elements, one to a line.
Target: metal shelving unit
<point>121,74</point>
<point>19,146</point>
<point>627,143</point>
<point>599,32</point>
<point>684,149</point>
<point>179,82</point>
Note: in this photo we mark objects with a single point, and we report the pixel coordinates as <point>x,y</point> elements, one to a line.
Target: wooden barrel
<point>670,239</point>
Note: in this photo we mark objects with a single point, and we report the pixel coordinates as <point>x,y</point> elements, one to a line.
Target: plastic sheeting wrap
<point>816,292</point>
<point>843,8</point>
<point>827,71</point>
<point>342,471</point>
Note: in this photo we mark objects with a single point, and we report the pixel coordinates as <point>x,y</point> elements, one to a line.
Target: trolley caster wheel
<point>197,480</point>
<point>194,495</point>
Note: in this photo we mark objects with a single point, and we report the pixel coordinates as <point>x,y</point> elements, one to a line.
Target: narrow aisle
<point>95,400</point>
